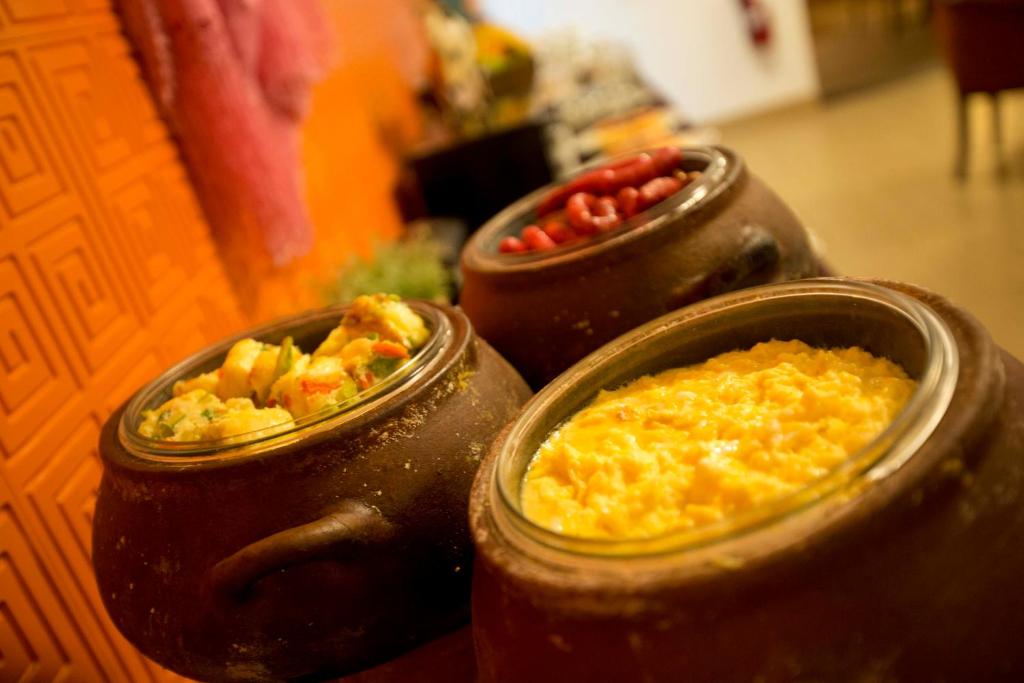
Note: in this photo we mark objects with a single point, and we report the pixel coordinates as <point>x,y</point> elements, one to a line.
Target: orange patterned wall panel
<point>107,275</point>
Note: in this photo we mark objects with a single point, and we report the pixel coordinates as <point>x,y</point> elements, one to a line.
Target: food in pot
<point>601,200</point>
<point>199,415</point>
<point>261,388</point>
<point>695,445</point>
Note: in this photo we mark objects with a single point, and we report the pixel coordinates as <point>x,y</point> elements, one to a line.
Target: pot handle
<point>757,251</point>
<point>344,532</point>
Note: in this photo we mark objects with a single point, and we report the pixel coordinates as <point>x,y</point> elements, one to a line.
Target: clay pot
<point>544,311</point>
<point>903,565</point>
<point>320,551</point>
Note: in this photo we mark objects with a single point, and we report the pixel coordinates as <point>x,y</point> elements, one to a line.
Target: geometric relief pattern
<point>129,379</point>
<point>137,115</point>
<point>32,385</point>
<point>85,294</point>
<point>63,496</point>
<point>29,10</point>
<point>108,274</point>
<point>31,650</point>
<point>153,256</point>
<point>86,102</point>
<point>27,177</point>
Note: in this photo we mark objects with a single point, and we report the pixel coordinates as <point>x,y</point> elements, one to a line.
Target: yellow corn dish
<point>695,445</point>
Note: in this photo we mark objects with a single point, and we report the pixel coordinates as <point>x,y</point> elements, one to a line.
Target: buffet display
<point>725,448</point>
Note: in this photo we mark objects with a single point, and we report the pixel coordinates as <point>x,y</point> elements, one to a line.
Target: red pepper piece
<point>657,190</point>
<point>559,232</point>
<point>312,386</point>
<point>628,198</point>
<point>536,239</point>
<point>390,349</point>
<point>666,159</point>
<point>512,245</point>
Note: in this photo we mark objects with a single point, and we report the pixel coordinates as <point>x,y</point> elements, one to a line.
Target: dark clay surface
<point>916,579</point>
<point>318,558</point>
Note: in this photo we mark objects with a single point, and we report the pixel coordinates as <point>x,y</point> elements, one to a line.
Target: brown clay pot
<point>545,311</point>
<point>318,552</point>
<point>904,565</point>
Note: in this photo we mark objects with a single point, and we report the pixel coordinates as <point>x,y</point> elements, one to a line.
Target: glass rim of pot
<point>717,165</point>
<point>258,441</point>
<point>877,460</point>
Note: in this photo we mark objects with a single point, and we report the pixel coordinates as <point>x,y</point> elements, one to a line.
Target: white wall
<point>696,52</point>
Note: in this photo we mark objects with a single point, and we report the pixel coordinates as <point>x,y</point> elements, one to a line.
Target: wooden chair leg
<point>997,135</point>
<point>962,145</point>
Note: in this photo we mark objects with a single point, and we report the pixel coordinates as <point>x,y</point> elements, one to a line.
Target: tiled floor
<point>871,174</point>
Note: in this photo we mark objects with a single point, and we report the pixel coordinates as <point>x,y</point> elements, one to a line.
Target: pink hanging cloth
<point>233,78</point>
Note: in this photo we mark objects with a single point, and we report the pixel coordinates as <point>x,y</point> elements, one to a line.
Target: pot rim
<point>449,335</point>
<point>877,461</point>
<point>721,168</point>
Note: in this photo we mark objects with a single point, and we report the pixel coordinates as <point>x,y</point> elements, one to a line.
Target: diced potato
<point>183,418</point>
<point>261,376</point>
<point>285,389</point>
<point>373,339</point>
<point>241,416</point>
<point>335,341</point>
<point>312,384</point>
<point>234,378</point>
<point>207,381</point>
<point>200,416</point>
<point>387,317</point>
<point>251,367</point>
<point>356,354</point>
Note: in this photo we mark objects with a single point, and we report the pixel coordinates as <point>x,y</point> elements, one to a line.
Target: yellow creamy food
<point>694,445</point>
<point>261,388</point>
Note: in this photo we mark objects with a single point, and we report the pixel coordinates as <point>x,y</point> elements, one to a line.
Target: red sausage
<point>536,239</point>
<point>628,198</point>
<point>622,163</point>
<point>596,181</point>
<point>657,190</point>
<point>635,174</point>
<point>587,214</point>
<point>666,159</point>
<point>606,213</point>
<point>577,210</point>
<point>559,232</point>
<point>610,178</point>
<point>512,245</point>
